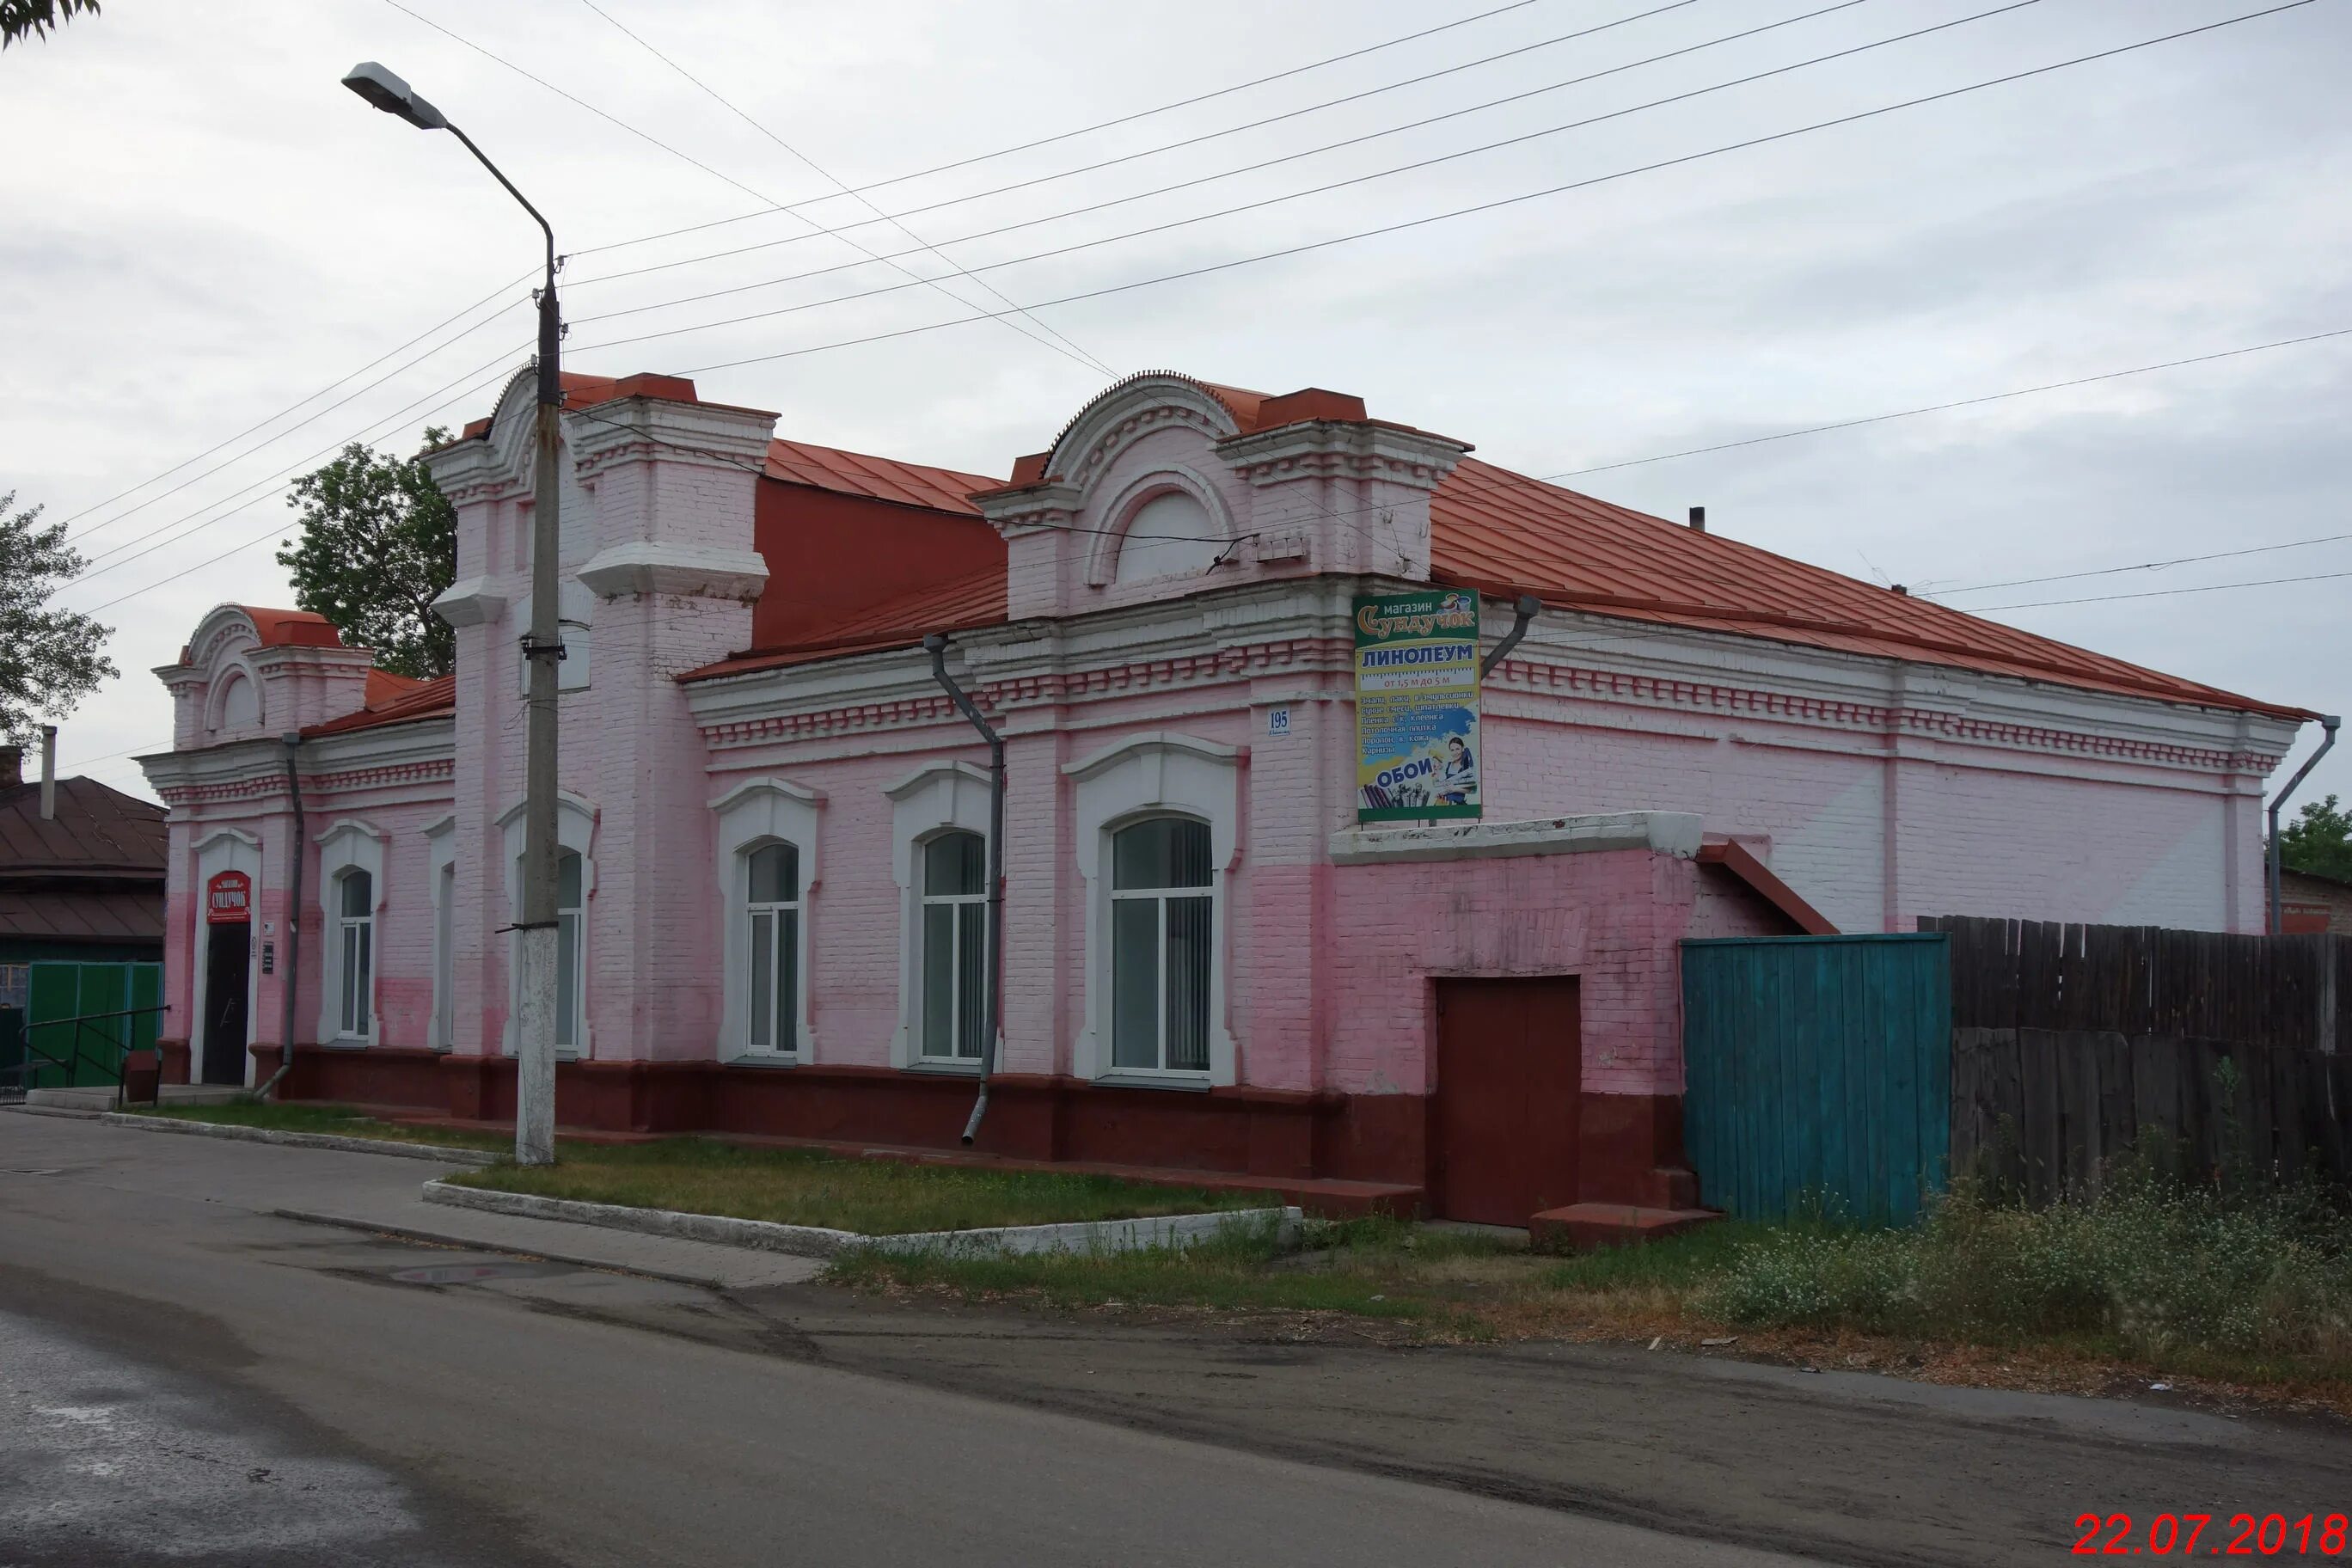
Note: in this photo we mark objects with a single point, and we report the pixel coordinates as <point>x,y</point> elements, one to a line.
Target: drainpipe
<point>937,644</point>
<point>1527,609</point>
<point>2327,724</point>
<point>292,741</point>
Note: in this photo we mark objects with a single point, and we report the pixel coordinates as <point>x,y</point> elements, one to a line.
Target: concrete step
<point>1580,1227</point>
<point>97,1096</point>
<point>202,1093</point>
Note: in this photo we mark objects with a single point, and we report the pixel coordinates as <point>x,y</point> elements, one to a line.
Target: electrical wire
<point>1082,130</point>
<point>1493,205</point>
<point>2157,593</point>
<point>2142,566</point>
<point>652,140</point>
<point>1094,360</point>
<point>1252,125</point>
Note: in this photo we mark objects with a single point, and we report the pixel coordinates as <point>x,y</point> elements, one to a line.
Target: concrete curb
<point>55,1111</point>
<point>816,1241</point>
<point>433,1151</point>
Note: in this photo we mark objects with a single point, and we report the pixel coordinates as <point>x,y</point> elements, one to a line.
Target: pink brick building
<point>773,820</point>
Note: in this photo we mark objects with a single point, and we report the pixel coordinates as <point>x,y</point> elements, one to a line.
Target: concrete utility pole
<point>536,932</point>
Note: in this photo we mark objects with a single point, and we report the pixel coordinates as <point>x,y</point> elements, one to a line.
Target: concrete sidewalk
<point>367,1193</point>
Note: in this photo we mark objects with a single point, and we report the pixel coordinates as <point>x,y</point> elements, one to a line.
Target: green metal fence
<point>82,1017</point>
<point>1818,1070</point>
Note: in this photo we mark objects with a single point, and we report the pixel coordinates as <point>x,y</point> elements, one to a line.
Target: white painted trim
<point>1110,542</point>
<point>938,797</point>
<point>1674,833</point>
<point>440,862</point>
<point>644,566</point>
<point>576,830</point>
<point>224,850</point>
<point>756,812</point>
<point>349,845</point>
<point>1155,774</point>
<point>470,601</point>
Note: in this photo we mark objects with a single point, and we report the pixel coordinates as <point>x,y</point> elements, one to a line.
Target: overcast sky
<point>202,228</point>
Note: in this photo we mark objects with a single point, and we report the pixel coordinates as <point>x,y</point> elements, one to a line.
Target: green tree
<point>48,658</point>
<point>2319,840</point>
<point>379,544</point>
<point>34,19</point>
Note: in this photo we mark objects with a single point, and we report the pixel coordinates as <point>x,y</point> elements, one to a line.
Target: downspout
<point>937,644</point>
<point>292,741</point>
<point>1527,609</point>
<point>2327,724</point>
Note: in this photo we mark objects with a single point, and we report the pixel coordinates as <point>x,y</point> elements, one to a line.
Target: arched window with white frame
<point>354,954</point>
<point>1164,945</point>
<point>955,947</point>
<point>771,929</point>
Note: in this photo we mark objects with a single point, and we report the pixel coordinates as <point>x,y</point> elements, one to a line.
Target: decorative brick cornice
<point>264,786</point>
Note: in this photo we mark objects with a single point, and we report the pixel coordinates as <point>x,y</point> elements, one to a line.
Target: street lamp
<point>535,1036</point>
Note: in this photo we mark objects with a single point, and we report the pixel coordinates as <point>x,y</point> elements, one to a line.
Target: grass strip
<point>335,1121</point>
<point>873,1197</point>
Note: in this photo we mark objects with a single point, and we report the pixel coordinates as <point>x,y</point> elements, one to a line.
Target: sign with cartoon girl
<point>1417,706</point>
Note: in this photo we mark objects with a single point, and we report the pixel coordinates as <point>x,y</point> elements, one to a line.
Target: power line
<point>1092,359</point>
<point>1081,131</point>
<point>1961,403</point>
<point>1482,207</point>
<point>290,408</point>
<point>1269,201</point>
<point>91,570</point>
<point>2160,593</point>
<point>1249,125</point>
<point>652,140</point>
<point>2142,566</point>
<point>260,446</point>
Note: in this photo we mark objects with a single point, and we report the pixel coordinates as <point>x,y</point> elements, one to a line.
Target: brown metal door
<point>1503,1125</point>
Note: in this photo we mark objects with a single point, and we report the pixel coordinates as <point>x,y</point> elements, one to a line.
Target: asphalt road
<point>157,1343</point>
<point>457,1407</point>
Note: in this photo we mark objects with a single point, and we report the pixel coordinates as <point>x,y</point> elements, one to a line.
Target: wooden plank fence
<point>2070,1043</point>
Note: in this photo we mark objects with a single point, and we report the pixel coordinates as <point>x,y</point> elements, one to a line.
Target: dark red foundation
<point>1630,1147</point>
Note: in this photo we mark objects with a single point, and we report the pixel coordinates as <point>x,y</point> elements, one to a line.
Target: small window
<point>571,914</point>
<point>1162,944</point>
<point>772,909</point>
<point>355,953</point>
<point>955,947</point>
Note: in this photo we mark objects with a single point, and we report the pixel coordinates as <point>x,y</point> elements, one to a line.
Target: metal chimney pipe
<point>49,772</point>
<point>1698,519</point>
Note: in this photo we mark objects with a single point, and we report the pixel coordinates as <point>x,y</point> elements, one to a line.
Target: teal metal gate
<point>1817,1069</point>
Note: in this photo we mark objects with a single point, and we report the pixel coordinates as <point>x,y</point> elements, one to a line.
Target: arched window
<point>570,948</point>
<point>955,947</point>
<point>355,952</point>
<point>772,904</point>
<point>1162,945</point>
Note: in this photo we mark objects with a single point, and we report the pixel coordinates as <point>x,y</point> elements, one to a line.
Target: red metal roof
<point>882,478</point>
<point>959,604</point>
<point>1493,529</point>
<point>403,700</point>
<point>291,629</point>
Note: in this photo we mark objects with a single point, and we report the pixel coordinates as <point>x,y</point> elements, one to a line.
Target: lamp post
<point>535,1036</point>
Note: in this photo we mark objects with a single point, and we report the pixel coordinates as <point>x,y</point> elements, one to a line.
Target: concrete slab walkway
<point>371,1193</point>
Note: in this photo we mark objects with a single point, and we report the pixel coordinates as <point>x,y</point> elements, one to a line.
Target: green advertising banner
<point>1417,706</point>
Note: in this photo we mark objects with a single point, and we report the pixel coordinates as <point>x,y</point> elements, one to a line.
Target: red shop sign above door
<point>229,898</point>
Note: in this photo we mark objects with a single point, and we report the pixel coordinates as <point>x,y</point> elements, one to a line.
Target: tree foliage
<point>2319,840</point>
<point>34,19</point>
<point>379,544</point>
<point>48,658</point>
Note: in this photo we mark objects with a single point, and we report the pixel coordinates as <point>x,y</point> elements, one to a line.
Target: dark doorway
<point>228,954</point>
<point>1503,1122</point>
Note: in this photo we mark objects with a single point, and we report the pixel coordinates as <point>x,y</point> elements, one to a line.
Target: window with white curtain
<point>570,948</point>
<point>355,952</point>
<point>955,947</point>
<point>773,911</point>
<point>1162,945</point>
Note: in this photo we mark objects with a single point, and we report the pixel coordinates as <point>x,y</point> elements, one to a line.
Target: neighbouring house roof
<point>94,872</point>
<point>1493,529</point>
<point>96,830</point>
<point>394,699</point>
<point>880,479</point>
